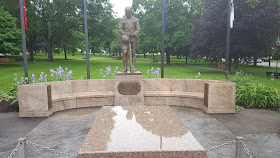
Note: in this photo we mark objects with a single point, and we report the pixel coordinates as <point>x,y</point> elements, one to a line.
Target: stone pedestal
<point>140,132</point>
<point>129,89</point>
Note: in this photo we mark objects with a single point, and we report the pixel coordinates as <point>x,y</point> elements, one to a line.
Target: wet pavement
<point>65,131</point>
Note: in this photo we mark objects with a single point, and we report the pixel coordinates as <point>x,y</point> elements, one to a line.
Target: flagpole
<point>23,42</point>
<point>86,37</point>
<point>228,39</point>
<point>162,37</point>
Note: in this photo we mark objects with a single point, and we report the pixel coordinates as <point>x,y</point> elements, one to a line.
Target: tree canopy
<point>179,15</point>
<point>10,35</point>
<point>58,24</point>
<point>255,29</point>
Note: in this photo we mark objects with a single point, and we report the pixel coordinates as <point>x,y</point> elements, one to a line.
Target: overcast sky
<point>119,6</point>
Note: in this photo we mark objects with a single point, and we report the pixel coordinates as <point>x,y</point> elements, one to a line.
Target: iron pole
<point>162,37</point>
<point>86,37</point>
<point>23,42</point>
<point>228,39</point>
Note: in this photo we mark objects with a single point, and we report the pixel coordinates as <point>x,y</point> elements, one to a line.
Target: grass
<point>77,64</point>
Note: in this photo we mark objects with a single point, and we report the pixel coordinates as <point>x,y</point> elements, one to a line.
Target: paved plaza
<point>65,131</point>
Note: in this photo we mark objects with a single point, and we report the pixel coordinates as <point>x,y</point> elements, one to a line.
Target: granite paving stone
<point>66,131</point>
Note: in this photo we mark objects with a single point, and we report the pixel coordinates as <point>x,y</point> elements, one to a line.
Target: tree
<point>10,36</point>
<point>179,14</point>
<point>255,29</point>
<point>101,24</point>
<point>116,44</point>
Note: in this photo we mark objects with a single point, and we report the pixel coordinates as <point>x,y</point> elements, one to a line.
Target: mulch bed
<point>6,106</point>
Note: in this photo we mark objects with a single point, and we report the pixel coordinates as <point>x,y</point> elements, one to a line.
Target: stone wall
<point>42,99</point>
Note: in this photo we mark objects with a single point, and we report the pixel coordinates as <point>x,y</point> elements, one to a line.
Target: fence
<point>22,142</point>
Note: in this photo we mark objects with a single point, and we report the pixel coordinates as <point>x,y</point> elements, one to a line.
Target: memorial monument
<point>129,86</point>
<point>129,29</point>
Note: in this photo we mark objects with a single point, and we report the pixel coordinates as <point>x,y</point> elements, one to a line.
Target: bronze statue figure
<point>129,29</point>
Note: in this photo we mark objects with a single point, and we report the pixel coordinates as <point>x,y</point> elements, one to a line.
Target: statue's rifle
<point>130,56</point>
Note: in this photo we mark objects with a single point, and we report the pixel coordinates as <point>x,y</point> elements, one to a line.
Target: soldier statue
<point>129,29</point>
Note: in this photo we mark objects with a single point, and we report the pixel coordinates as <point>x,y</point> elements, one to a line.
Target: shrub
<point>257,95</point>
<point>241,78</point>
<point>14,93</point>
<point>4,96</point>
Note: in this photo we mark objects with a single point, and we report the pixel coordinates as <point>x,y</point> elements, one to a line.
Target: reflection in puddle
<point>144,128</point>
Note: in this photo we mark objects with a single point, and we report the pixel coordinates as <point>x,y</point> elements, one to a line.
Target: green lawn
<point>100,61</point>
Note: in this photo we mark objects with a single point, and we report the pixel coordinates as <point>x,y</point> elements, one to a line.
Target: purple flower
<point>101,70</point>
<point>69,75</point>
<point>15,79</point>
<point>148,72</point>
<point>33,76</point>
<point>108,70</point>
<point>116,68</point>
<point>113,74</point>
<point>18,83</point>
<point>42,73</point>
<point>33,81</point>
<point>104,76</point>
<point>15,74</point>
<point>66,68</point>
<point>21,78</point>
<point>26,79</point>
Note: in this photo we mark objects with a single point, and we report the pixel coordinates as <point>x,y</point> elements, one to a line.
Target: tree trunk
<point>195,60</point>
<point>31,56</point>
<point>186,60</point>
<point>65,54</point>
<point>269,61</point>
<point>236,63</point>
<point>109,51</point>
<point>144,55</point>
<point>255,62</point>
<point>82,52</point>
<point>50,52</point>
<point>168,57</point>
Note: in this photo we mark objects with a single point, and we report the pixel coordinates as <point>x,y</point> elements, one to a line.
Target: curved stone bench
<point>210,95</point>
<point>42,99</point>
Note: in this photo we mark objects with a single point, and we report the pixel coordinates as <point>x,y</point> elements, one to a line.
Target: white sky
<point>119,6</point>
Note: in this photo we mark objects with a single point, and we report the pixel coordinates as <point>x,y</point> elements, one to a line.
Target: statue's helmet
<point>125,39</point>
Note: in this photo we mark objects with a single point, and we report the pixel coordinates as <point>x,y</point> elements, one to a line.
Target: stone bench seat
<point>83,99</point>
<point>42,99</point>
<point>174,94</point>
